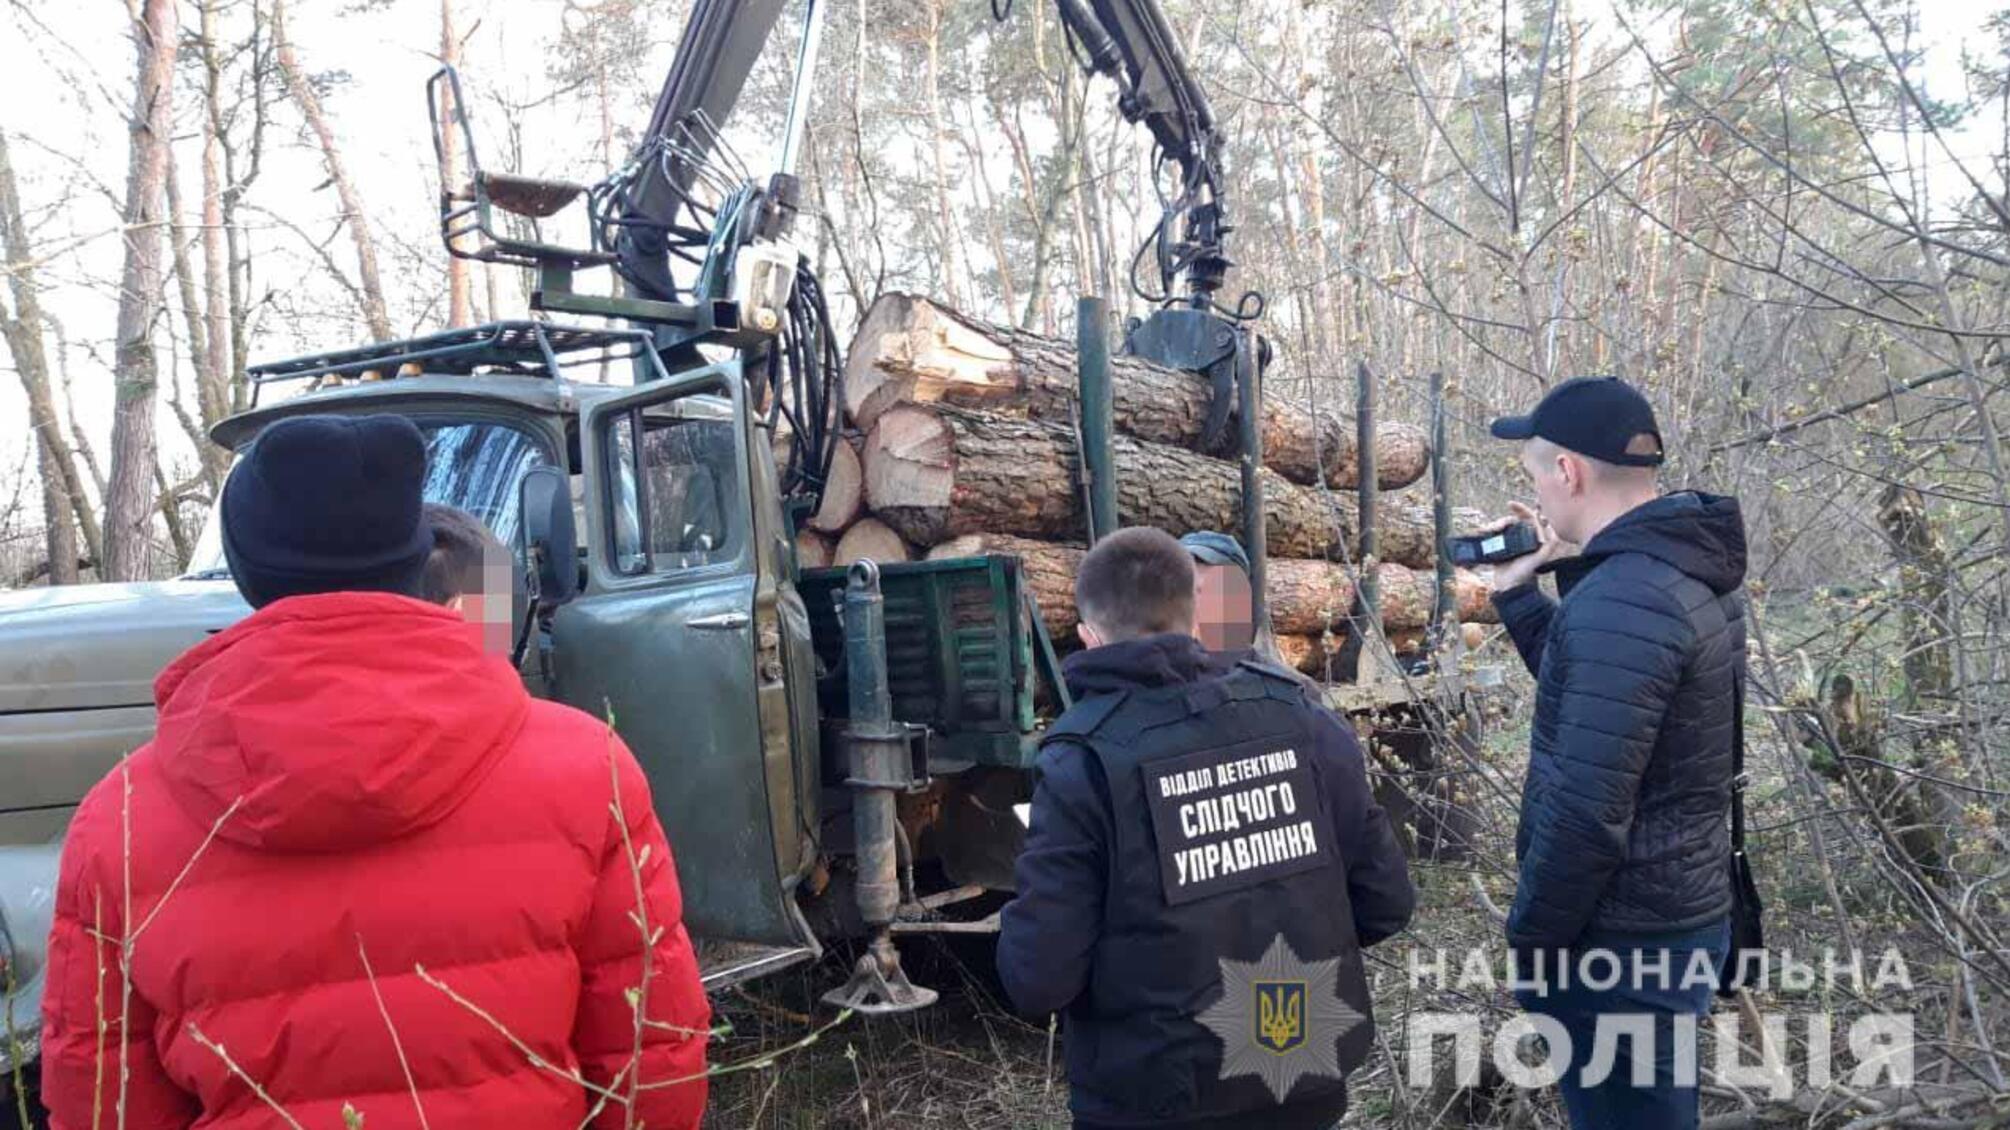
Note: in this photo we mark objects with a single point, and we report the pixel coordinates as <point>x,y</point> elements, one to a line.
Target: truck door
<point>663,637</point>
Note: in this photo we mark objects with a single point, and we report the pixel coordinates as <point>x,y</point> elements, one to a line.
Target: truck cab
<point>661,593</point>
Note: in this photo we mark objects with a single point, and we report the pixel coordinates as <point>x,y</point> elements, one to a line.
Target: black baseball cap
<point>1601,417</point>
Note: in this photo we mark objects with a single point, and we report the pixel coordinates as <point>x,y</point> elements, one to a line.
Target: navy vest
<point>1223,844</point>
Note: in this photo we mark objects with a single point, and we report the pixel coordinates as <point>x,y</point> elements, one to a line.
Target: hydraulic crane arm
<point>718,51</point>
<point>721,43</point>
<point>1128,40</point>
<point>1158,89</point>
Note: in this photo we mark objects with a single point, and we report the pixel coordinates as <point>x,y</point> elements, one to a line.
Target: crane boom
<point>1128,40</point>
<point>720,45</point>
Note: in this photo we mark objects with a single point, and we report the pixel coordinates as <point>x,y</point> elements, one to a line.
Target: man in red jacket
<point>358,867</point>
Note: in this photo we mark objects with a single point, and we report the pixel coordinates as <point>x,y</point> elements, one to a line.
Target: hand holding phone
<point>1513,571</point>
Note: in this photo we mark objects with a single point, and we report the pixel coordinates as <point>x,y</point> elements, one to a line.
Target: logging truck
<point>822,597</point>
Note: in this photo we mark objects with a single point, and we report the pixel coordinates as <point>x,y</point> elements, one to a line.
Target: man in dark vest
<point>1204,864</point>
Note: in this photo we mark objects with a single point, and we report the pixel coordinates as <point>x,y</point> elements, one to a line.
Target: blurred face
<point>1224,613</point>
<point>1559,479</point>
<point>490,610</point>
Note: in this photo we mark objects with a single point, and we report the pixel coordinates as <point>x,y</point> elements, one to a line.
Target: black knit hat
<point>328,504</point>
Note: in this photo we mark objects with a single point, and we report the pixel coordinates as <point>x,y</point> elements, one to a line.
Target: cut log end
<point>969,545</point>
<point>1319,656</point>
<point>813,550</point>
<point>844,492</point>
<point>870,539</point>
<point>909,349</point>
<point>910,471</point>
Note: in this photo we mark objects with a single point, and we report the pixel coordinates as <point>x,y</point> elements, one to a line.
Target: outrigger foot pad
<point>878,984</point>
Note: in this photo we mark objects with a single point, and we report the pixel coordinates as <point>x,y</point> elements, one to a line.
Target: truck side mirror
<point>551,549</point>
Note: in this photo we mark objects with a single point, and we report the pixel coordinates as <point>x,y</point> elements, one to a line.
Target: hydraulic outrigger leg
<point>880,755</point>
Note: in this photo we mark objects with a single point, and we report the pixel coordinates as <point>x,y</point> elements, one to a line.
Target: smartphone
<point>1518,540</point>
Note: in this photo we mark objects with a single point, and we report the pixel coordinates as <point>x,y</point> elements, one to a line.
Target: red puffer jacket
<point>369,867</point>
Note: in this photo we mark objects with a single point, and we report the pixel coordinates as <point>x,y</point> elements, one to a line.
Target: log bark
<point>870,538</point>
<point>911,350</point>
<point>65,505</point>
<point>844,491</point>
<point>813,550</point>
<point>1312,654</point>
<point>1046,570</point>
<point>129,495</point>
<point>934,473</point>
<point>1301,593</point>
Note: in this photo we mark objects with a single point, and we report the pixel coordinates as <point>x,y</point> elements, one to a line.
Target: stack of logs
<point>962,441</point>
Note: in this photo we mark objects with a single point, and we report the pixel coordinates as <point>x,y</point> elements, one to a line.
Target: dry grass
<point>967,1062</point>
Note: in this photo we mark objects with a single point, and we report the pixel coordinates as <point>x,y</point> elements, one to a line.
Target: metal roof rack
<point>523,348</point>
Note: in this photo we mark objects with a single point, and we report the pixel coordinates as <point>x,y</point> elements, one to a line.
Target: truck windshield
<point>474,466</point>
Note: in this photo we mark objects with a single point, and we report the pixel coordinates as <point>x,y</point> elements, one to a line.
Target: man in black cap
<point>1204,864</point>
<point>1623,844</point>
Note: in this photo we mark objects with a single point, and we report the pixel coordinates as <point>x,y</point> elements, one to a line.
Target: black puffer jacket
<point>1623,818</point>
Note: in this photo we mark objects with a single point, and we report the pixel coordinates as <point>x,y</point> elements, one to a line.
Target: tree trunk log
<point>1313,596</point>
<point>844,491</point>
<point>1300,592</point>
<point>909,349</point>
<point>813,550</point>
<point>870,538</point>
<point>63,499</point>
<point>129,496</point>
<point>934,473</point>
<point>1047,571</point>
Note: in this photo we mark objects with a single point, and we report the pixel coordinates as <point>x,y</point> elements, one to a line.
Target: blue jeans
<point>1648,998</point>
